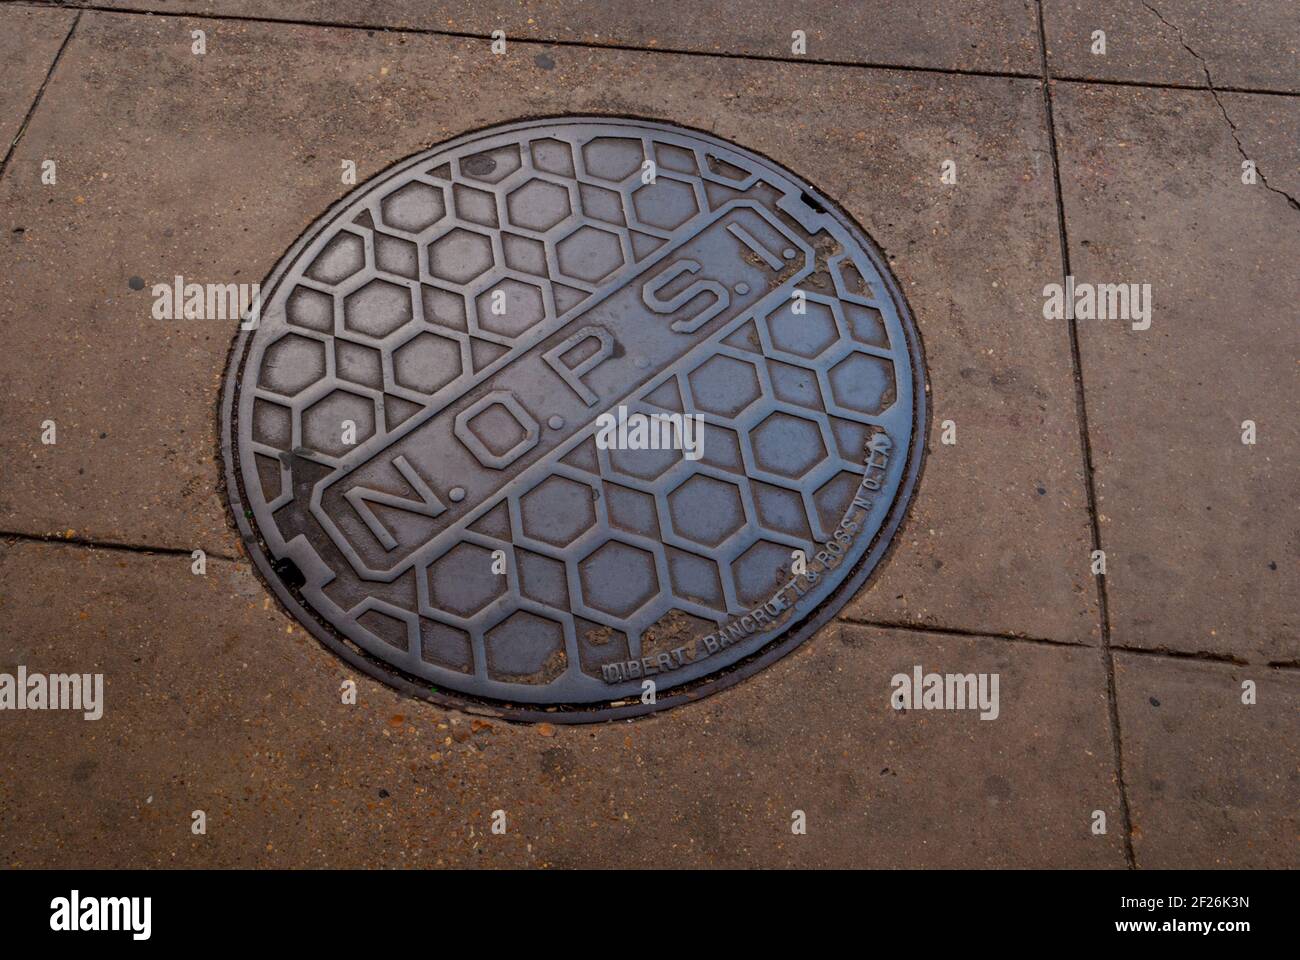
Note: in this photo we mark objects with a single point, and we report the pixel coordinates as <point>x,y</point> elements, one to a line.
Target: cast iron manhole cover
<point>413,434</point>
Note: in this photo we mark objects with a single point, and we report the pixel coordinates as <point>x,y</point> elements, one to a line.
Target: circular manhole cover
<point>547,411</point>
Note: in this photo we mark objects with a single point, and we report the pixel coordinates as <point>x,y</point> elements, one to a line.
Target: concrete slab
<point>209,167</point>
<point>1252,44</point>
<point>215,702</point>
<point>1200,529</point>
<point>1212,781</point>
<point>29,41</point>
<point>989,35</point>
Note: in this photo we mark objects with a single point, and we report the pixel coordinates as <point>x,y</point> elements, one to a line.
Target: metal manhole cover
<point>416,446</point>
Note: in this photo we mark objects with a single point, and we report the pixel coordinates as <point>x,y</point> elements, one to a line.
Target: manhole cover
<point>459,443</point>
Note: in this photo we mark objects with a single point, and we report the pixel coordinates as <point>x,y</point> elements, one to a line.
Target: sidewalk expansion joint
<point>633,48</point>
<point>12,536</point>
<point>963,632</point>
<point>1076,359</point>
<point>36,101</point>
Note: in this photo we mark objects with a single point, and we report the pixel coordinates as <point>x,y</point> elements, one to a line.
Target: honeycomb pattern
<point>562,558</point>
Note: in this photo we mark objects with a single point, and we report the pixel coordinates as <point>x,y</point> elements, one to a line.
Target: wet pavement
<point>1121,695</point>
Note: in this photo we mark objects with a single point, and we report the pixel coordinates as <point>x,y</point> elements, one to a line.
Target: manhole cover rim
<point>692,690</point>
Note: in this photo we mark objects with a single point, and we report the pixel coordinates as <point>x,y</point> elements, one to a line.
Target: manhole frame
<point>230,485</point>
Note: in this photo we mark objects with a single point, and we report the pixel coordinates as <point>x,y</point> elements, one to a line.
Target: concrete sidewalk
<point>1120,693</point>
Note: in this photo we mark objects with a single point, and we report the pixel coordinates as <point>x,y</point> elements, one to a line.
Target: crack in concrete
<point>1209,82</point>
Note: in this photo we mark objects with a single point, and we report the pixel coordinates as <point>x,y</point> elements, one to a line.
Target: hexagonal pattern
<point>538,205</point>
<point>339,259</point>
<point>404,317</point>
<point>446,646</point>
<point>557,511</point>
<point>311,309</point>
<point>461,581</point>
<point>552,155</point>
<point>426,363</point>
<point>760,570</point>
<point>329,424</point>
<point>665,204</point>
<point>618,578</point>
<point>460,256</point>
<point>787,445</point>
<point>292,364</point>
<point>491,166</point>
<point>590,254</point>
<point>646,464</point>
<point>613,158</point>
<point>413,207</point>
<point>475,205</point>
<point>863,383</point>
<point>510,308</point>
<point>526,648</point>
<point>805,334</point>
<point>706,510</point>
<point>725,386</point>
<point>377,309</point>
